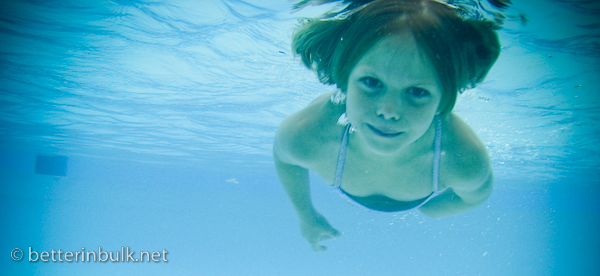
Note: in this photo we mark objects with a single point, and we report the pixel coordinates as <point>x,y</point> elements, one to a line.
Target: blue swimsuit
<point>382,203</point>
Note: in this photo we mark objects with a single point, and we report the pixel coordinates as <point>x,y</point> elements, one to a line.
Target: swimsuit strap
<point>436,161</point>
<point>341,159</point>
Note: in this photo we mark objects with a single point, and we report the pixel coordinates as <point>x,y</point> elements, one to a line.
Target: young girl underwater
<point>387,138</point>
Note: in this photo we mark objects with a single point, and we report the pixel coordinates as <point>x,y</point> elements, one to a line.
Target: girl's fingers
<point>318,248</point>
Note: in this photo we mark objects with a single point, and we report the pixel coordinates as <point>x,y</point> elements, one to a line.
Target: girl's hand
<point>316,229</point>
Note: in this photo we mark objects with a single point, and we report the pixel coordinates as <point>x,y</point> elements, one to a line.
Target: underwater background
<point>149,125</point>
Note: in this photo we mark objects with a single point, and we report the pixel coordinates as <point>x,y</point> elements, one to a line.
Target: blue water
<point>166,112</point>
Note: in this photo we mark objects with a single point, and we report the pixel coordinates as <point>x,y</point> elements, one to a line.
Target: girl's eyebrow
<point>366,69</point>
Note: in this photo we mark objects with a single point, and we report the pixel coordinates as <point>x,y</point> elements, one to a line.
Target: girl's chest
<point>405,182</point>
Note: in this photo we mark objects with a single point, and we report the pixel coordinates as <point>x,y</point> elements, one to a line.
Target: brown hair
<point>461,50</point>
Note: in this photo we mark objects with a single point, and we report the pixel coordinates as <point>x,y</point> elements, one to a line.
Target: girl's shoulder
<point>466,162</point>
<point>309,135</point>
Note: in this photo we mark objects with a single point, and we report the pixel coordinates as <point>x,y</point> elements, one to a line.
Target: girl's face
<point>393,94</point>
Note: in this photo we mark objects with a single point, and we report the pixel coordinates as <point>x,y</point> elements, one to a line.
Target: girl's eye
<point>417,92</point>
<point>372,83</point>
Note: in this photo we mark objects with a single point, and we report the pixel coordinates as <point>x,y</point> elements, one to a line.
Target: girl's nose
<point>389,109</point>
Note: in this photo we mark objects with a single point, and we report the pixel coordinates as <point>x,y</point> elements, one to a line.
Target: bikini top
<point>382,203</point>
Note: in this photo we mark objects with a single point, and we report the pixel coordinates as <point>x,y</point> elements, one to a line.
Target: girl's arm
<point>293,152</point>
<point>457,200</point>
<point>295,182</point>
<point>467,169</point>
<point>313,225</point>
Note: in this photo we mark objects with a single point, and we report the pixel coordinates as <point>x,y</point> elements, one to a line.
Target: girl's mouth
<point>384,133</point>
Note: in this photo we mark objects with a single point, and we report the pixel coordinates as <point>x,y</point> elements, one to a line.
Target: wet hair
<point>461,50</point>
